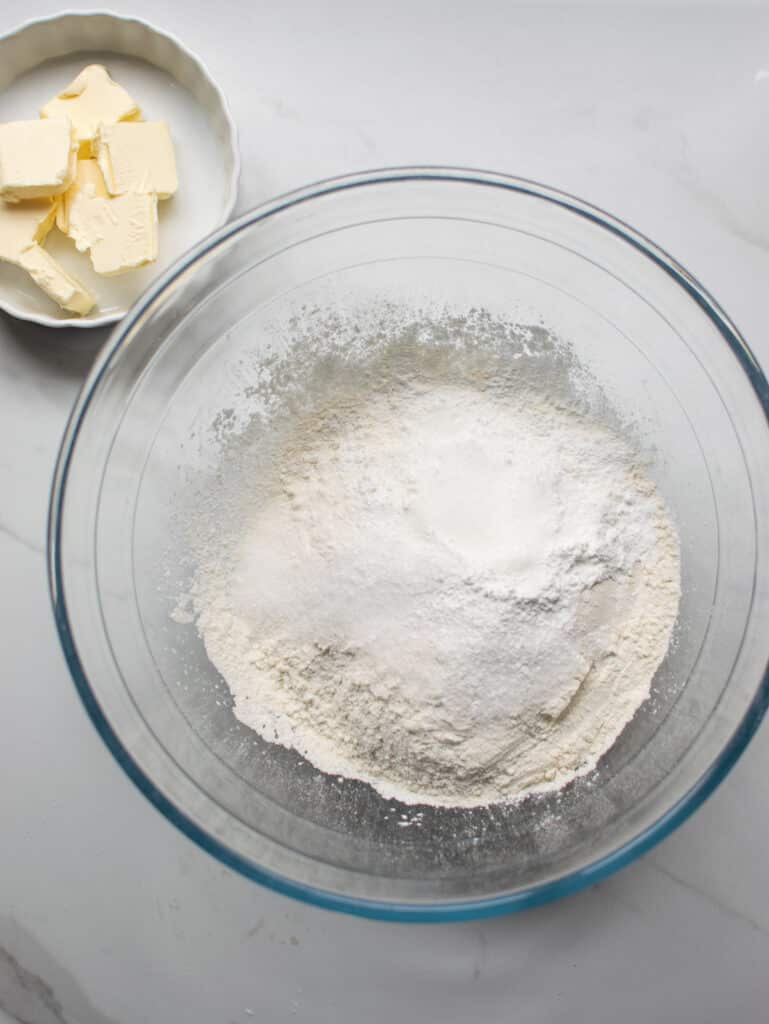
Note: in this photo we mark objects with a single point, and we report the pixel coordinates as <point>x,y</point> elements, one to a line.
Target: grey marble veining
<point>107,914</point>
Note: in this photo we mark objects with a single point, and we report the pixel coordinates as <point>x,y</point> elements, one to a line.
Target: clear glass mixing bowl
<point>673,363</point>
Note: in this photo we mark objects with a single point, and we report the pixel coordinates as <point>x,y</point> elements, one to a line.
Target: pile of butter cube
<point>91,166</point>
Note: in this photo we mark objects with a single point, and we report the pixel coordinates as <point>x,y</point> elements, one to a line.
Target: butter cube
<point>37,158</point>
<point>131,238</point>
<point>89,180</point>
<point>137,157</point>
<point>55,281</point>
<point>23,229</point>
<point>24,224</point>
<point>121,232</point>
<point>91,100</point>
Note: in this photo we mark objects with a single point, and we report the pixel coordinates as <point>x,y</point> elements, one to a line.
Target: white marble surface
<point>107,914</point>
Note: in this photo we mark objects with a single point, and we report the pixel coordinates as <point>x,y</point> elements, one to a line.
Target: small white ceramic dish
<point>169,83</point>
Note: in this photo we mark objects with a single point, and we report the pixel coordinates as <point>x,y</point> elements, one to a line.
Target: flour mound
<point>455,595</point>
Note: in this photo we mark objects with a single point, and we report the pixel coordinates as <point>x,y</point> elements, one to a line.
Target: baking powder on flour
<point>458,595</point>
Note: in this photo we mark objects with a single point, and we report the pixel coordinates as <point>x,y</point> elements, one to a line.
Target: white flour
<point>454,596</point>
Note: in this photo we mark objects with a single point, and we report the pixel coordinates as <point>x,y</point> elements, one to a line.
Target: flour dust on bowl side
<point>404,544</point>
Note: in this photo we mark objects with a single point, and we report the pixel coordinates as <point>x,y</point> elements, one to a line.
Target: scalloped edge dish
<point>69,32</point>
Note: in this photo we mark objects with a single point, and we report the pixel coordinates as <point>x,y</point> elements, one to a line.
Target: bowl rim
<point>16,35</point>
<point>433,911</point>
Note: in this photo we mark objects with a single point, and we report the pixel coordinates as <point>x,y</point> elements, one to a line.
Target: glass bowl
<point>149,422</point>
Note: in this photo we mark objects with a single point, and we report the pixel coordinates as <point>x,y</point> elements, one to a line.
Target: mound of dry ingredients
<point>454,596</point>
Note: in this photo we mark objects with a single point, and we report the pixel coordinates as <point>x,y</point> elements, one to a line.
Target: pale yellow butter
<point>121,232</point>
<point>89,180</point>
<point>92,166</point>
<point>91,100</point>
<point>24,227</point>
<point>132,237</point>
<point>37,158</point>
<point>137,157</point>
<point>55,281</point>
<point>24,224</point>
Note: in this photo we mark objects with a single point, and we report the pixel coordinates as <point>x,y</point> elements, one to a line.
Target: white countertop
<point>108,915</point>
